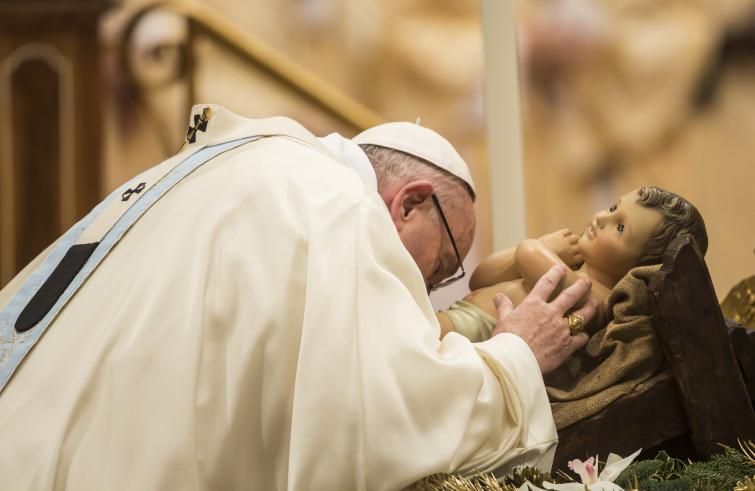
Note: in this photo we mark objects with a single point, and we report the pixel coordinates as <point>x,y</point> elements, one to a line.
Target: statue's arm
<point>496,268</point>
<point>533,259</point>
<point>500,266</point>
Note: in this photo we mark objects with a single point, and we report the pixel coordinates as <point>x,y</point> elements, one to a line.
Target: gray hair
<point>394,167</point>
<point>679,217</point>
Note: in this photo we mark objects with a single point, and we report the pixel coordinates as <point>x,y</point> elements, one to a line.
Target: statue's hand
<point>564,243</point>
<point>542,324</point>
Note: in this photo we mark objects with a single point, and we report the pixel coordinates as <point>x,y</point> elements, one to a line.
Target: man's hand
<point>542,325</point>
<point>564,243</point>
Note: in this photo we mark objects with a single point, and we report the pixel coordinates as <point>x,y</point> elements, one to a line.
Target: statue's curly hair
<point>679,217</point>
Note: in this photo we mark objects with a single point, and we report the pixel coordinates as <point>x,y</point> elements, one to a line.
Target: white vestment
<point>262,327</point>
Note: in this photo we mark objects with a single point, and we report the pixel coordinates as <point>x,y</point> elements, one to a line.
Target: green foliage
<point>730,470</point>
<point>663,473</point>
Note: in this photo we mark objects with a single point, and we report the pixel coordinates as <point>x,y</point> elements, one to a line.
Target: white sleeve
<point>379,401</point>
<point>432,406</point>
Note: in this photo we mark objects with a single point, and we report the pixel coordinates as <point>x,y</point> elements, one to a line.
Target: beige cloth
<point>617,358</point>
<point>263,327</point>
<point>471,321</point>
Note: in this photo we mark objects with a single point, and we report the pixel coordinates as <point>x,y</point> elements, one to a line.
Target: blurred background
<point>613,94</point>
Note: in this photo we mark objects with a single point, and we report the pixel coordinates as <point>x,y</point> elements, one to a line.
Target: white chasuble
<point>262,327</point>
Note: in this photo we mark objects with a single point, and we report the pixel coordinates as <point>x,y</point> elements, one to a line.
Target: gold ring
<point>576,323</point>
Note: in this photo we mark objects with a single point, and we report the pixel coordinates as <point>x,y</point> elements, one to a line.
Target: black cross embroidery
<point>138,189</point>
<point>200,124</point>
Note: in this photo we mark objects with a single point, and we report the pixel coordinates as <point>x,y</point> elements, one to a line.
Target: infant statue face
<point>616,237</point>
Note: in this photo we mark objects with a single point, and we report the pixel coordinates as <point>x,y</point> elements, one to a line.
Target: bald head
<point>406,183</point>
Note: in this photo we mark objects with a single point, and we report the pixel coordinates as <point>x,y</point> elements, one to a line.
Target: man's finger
<point>578,341</point>
<point>548,282</point>
<point>587,311</point>
<point>503,305</point>
<point>569,297</point>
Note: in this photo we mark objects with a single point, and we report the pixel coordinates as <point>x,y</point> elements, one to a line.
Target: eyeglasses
<point>448,281</point>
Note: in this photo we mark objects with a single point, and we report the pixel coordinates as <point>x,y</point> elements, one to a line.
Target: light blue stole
<point>37,313</point>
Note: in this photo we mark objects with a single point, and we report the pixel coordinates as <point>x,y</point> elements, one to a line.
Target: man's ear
<point>413,197</point>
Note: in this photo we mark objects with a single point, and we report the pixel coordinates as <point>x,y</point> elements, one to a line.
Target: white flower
<point>588,473</point>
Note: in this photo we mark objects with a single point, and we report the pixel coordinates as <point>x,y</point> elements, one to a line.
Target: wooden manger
<point>701,400</point>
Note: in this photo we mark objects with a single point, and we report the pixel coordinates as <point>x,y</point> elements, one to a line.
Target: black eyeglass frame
<point>432,287</point>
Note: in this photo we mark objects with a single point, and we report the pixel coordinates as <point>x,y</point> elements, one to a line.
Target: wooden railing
<point>205,20</point>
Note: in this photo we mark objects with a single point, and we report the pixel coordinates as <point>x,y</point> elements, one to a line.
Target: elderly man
<point>253,314</point>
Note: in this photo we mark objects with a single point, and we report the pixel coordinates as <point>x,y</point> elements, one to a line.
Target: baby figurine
<point>634,231</point>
